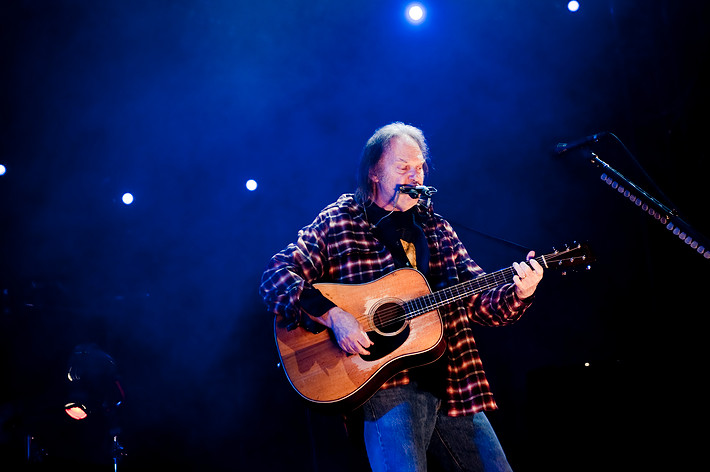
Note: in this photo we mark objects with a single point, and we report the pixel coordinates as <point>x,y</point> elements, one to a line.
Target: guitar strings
<point>429,302</point>
<point>450,294</point>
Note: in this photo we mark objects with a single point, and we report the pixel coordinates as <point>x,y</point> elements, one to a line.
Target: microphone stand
<point>648,204</point>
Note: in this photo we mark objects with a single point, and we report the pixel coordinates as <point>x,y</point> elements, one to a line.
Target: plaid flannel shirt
<point>338,246</point>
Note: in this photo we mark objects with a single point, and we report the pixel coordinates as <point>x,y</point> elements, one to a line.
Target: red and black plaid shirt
<point>339,247</point>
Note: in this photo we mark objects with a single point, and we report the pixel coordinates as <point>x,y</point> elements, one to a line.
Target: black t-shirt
<point>391,228</point>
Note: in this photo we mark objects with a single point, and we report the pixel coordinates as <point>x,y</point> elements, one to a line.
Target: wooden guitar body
<point>325,375</point>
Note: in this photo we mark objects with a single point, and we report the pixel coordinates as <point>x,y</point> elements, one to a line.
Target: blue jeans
<point>404,426</point>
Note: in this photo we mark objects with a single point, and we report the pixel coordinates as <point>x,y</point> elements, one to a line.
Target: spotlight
<point>251,185</point>
<point>3,169</point>
<point>127,198</point>
<point>415,13</point>
<point>573,6</point>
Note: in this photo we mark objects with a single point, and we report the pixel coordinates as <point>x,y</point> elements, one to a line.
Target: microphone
<point>415,191</point>
<point>562,148</point>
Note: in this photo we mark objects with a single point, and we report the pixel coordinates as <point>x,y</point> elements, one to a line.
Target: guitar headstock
<point>572,255</point>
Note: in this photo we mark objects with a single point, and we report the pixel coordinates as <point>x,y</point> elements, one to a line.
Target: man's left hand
<point>528,275</point>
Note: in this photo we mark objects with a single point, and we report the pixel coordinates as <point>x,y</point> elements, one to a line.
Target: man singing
<point>436,411</point>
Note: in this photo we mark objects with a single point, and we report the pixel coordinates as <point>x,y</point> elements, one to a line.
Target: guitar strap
<point>410,250</point>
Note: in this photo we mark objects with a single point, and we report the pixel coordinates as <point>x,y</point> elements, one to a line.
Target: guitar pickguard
<point>384,344</point>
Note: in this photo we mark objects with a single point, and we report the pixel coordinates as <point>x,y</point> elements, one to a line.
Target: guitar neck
<point>443,297</point>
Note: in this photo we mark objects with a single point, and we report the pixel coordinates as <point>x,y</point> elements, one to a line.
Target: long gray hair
<point>376,146</point>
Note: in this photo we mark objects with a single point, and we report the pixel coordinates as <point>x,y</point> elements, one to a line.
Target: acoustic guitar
<point>400,314</point>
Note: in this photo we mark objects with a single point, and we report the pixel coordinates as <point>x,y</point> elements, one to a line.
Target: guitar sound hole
<point>389,318</point>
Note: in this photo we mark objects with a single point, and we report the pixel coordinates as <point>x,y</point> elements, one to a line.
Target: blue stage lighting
<point>573,6</point>
<point>415,13</point>
<point>251,185</point>
<point>2,169</point>
<point>127,198</point>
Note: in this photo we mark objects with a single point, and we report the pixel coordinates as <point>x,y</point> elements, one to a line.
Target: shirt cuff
<point>314,303</point>
<point>516,303</point>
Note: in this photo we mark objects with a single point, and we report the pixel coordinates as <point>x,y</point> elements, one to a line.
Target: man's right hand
<point>349,333</point>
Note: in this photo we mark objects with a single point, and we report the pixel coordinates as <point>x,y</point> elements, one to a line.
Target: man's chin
<point>409,205</point>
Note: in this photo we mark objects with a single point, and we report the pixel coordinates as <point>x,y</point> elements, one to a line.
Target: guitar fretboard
<point>443,297</point>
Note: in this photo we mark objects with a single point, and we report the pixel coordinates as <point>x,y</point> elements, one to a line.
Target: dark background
<point>180,102</point>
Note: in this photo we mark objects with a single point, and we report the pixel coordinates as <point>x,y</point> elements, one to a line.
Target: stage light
<point>251,185</point>
<point>76,411</point>
<point>573,6</point>
<point>127,198</point>
<point>659,216</point>
<point>3,169</point>
<point>415,13</point>
<point>93,387</point>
